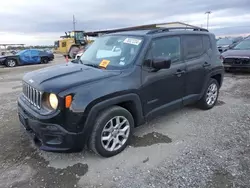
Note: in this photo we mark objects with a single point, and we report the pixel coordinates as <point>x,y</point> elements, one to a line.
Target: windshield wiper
<point>91,65</point>
<point>80,61</point>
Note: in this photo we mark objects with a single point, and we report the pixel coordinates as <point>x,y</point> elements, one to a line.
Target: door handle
<point>179,72</point>
<point>206,64</point>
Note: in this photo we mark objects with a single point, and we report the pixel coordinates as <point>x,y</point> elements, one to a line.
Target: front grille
<point>237,61</point>
<point>32,95</point>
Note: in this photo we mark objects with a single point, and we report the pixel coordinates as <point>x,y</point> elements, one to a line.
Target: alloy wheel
<point>212,94</point>
<point>115,133</point>
<point>11,63</point>
<point>45,60</point>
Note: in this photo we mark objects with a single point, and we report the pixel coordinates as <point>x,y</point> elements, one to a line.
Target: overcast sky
<point>43,21</point>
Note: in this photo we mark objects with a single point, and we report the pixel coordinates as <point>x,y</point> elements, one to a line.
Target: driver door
<point>163,90</point>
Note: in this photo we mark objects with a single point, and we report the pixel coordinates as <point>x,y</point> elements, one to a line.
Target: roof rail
<point>166,29</point>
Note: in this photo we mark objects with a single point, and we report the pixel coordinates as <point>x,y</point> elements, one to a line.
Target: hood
<point>237,53</point>
<point>61,77</point>
<point>3,56</point>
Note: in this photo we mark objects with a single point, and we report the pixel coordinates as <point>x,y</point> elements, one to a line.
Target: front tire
<point>112,131</point>
<point>44,60</point>
<point>11,63</point>
<point>210,96</point>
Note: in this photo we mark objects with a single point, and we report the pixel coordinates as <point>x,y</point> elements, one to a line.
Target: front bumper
<point>239,67</point>
<point>2,62</point>
<point>47,136</point>
<point>51,58</point>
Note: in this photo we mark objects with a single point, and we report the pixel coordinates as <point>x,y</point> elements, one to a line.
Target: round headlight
<point>53,101</point>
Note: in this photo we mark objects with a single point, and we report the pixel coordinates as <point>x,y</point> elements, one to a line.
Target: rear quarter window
<point>206,43</point>
<point>193,45</point>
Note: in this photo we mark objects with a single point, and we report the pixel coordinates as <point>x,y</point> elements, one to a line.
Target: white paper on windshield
<point>132,41</point>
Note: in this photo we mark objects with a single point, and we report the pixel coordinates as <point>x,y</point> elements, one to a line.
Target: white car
<point>79,54</point>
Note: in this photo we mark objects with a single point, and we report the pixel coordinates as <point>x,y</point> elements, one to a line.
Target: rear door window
<point>34,53</point>
<point>193,45</point>
<point>26,53</point>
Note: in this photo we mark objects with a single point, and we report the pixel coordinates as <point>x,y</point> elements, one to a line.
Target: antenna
<point>74,23</point>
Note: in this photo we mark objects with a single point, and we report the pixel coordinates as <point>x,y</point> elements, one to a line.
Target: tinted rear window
<point>193,46</point>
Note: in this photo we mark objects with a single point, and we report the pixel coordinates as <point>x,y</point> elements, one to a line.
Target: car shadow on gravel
<point>157,138</point>
<point>220,179</point>
<point>220,103</point>
<point>23,167</point>
<point>149,139</point>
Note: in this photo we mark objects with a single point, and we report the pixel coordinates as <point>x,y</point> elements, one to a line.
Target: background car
<point>80,52</point>
<point>238,57</point>
<point>13,52</point>
<point>25,57</point>
<point>225,44</point>
<point>247,37</point>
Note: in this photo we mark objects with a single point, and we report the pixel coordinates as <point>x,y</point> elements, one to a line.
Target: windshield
<point>244,45</point>
<point>56,44</point>
<point>79,35</point>
<point>112,52</point>
<point>224,42</point>
<point>20,52</point>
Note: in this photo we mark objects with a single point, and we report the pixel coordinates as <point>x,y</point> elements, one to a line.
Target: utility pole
<point>208,13</point>
<point>74,23</point>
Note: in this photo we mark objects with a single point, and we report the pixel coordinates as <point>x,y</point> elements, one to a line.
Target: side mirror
<point>161,63</point>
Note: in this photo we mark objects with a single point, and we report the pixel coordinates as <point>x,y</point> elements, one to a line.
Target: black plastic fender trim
<point>113,101</point>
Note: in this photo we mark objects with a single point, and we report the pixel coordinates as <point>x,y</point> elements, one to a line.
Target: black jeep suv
<point>122,80</point>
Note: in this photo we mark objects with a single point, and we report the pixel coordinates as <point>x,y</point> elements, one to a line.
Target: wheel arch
<point>44,57</point>
<point>130,102</point>
<point>218,78</point>
<point>13,58</point>
<point>217,75</point>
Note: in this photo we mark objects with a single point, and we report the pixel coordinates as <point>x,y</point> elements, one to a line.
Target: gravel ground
<point>185,148</point>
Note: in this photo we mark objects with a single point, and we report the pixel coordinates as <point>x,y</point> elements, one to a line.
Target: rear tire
<point>210,96</point>
<point>109,137</point>
<point>73,51</point>
<point>11,63</point>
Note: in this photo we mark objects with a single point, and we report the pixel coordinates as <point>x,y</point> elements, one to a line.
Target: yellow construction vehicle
<point>71,43</point>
